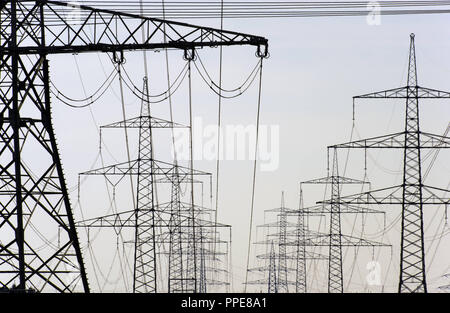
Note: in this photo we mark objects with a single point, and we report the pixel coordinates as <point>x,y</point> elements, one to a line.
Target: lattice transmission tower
<point>412,194</point>
<point>336,237</point>
<point>33,189</point>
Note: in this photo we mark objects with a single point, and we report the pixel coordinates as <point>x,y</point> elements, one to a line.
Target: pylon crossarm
<point>389,93</point>
<point>308,255</point>
<point>144,121</point>
<point>73,28</point>
<point>321,209</point>
<point>429,194</point>
<point>266,269</point>
<point>392,195</point>
<point>397,140</point>
<point>294,233</point>
<point>428,93</point>
<point>132,168</point>
<point>183,207</point>
<point>346,241</point>
<point>264,282</point>
<point>387,141</point>
<point>275,210</point>
<point>277,224</point>
<point>117,220</point>
<point>206,253</point>
<point>431,141</point>
<point>337,180</point>
<point>165,238</point>
<point>405,92</point>
<point>165,180</point>
<point>256,282</point>
<point>213,282</point>
<point>127,219</point>
<point>308,211</point>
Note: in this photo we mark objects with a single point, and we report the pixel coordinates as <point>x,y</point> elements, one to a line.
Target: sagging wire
<point>254,171</point>
<point>96,95</point>
<point>240,90</point>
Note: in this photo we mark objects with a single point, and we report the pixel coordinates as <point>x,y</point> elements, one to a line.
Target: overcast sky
<point>316,66</point>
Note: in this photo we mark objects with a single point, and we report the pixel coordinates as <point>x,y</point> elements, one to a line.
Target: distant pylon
<point>272,282</point>
<point>335,281</point>
<point>412,255</point>
<point>300,270</point>
<point>412,194</point>
<point>282,281</point>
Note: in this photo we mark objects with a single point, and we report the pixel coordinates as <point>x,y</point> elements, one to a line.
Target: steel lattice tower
<point>145,252</point>
<point>412,255</point>
<point>282,280</point>
<point>33,188</point>
<point>300,269</point>
<point>175,216</point>
<point>412,194</point>
<point>336,239</point>
<point>272,286</point>
<point>335,280</point>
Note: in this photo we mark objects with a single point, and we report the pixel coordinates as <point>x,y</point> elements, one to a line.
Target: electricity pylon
<point>335,209</point>
<point>33,188</point>
<point>412,194</point>
<point>284,231</point>
<point>272,286</point>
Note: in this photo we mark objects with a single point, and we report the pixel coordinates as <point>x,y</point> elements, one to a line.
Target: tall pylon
<point>412,253</point>
<point>335,280</point>
<point>144,248</point>
<point>412,194</point>
<point>300,268</point>
<point>282,280</point>
<point>272,281</point>
<point>335,238</point>
<point>33,191</point>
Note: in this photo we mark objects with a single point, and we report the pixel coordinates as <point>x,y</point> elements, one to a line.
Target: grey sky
<point>316,66</point>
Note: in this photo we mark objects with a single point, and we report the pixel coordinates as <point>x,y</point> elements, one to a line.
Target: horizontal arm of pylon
<point>186,180</point>
<point>127,219</point>
<point>346,241</point>
<point>264,282</point>
<point>392,195</point>
<point>309,255</point>
<point>185,237</point>
<point>294,233</point>
<point>424,93</point>
<point>402,93</point>
<point>213,282</point>
<point>73,28</point>
<point>183,207</point>
<point>277,224</point>
<point>267,269</point>
<point>334,179</point>
<point>206,253</point>
<point>346,208</point>
<point>144,122</point>
<point>132,168</point>
<point>397,140</point>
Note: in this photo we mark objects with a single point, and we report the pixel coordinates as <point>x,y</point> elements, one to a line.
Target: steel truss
<point>412,194</point>
<point>33,189</point>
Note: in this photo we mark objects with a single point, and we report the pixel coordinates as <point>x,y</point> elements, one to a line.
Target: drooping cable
<point>254,175</point>
<point>125,128</point>
<point>219,120</point>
